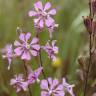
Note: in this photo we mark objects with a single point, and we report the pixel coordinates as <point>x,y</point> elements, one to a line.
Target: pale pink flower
<point>51,49</point>
<point>25,48</point>
<point>7,53</point>
<point>19,83</point>
<point>51,87</point>
<point>68,88</point>
<point>34,75</point>
<point>42,15</point>
<point>51,28</point>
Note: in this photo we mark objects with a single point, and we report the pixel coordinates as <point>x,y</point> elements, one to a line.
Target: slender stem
<point>88,70</point>
<point>26,72</point>
<point>90,48</point>
<point>41,63</point>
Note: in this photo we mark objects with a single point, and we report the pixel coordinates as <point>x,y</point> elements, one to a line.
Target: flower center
<point>50,92</point>
<point>43,13</point>
<point>27,45</point>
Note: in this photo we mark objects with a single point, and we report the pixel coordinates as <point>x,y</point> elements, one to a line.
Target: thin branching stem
<point>90,48</point>
<point>88,69</point>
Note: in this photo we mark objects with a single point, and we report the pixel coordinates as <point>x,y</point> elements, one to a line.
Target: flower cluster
<point>20,83</point>
<point>43,16</point>
<point>52,87</point>
<point>26,47</point>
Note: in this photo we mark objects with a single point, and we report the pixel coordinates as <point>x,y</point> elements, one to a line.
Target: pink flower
<point>26,49</point>
<point>43,15</point>
<point>34,75</point>
<point>19,83</point>
<point>68,88</point>
<point>51,28</point>
<point>8,53</point>
<point>51,87</point>
<point>51,50</point>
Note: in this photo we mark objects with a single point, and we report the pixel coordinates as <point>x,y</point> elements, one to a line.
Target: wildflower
<point>51,50</point>
<point>8,53</point>
<point>51,28</point>
<point>51,87</point>
<point>68,88</point>
<point>42,14</point>
<point>26,49</point>
<point>19,83</point>
<point>33,75</point>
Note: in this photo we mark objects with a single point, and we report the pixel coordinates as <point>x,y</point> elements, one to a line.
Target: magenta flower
<point>43,14</point>
<point>19,83</point>
<point>51,88</point>
<point>51,50</point>
<point>26,49</point>
<point>8,54</point>
<point>34,75</point>
<point>68,88</point>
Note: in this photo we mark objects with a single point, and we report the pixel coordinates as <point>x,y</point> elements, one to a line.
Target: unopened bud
<point>88,23</point>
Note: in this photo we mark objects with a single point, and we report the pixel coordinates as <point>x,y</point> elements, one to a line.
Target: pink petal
<point>34,53</point>
<point>32,13</point>
<point>28,35</point>
<point>47,6</point>
<point>59,93</point>
<point>55,49</point>
<point>18,51</point>
<point>50,80</point>
<point>9,60</point>
<point>24,86</point>
<point>38,71</point>
<point>60,87</point>
<point>18,89</point>
<point>22,37</point>
<point>36,21</point>
<point>36,46</point>
<point>55,82</point>
<point>12,81</point>
<point>52,12</point>
<point>16,43</point>
<point>44,93</point>
<point>49,21</point>
<point>34,40</point>
<point>38,5</point>
<point>41,23</point>
<point>26,56</point>
<point>44,85</point>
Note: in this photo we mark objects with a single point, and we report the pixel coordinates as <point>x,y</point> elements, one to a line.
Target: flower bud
<point>87,23</point>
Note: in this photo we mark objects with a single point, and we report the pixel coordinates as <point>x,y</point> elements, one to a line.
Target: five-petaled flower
<point>51,50</point>
<point>34,76</point>
<point>68,88</point>
<point>51,87</point>
<point>19,83</point>
<point>43,15</point>
<point>26,49</point>
<point>8,54</point>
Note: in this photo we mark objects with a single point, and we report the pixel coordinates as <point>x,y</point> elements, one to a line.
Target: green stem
<point>26,72</point>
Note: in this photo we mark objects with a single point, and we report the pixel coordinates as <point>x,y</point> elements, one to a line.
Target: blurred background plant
<point>71,38</point>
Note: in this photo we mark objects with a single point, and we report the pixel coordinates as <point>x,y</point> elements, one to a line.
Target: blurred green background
<point>70,34</point>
